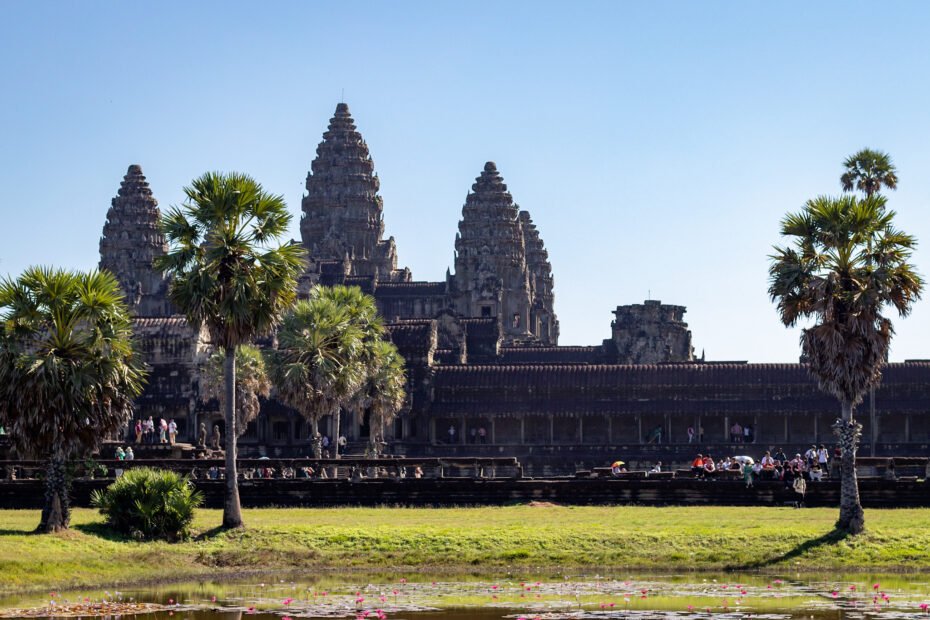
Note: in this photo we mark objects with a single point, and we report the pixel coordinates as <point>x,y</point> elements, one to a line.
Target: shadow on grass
<point>213,532</point>
<point>830,538</point>
<point>102,530</point>
<point>9,532</point>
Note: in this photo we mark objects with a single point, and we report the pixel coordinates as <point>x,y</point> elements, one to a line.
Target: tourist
<point>138,431</point>
<point>482,435</point>
<point>473,435</point>
<point>823,458</point>
<point>768,465</point>
<point>148,432</point>
<point>655,436</point>
<point>800,487</point>
<point>780,456</point>
<point>417,472</point>
<point>617,468</point>
<point>748,436</point>
<point>162,431</point>
<point>341,445</point>
<point>710,470</point>
<point>816,473</point>
<point>690,434</point>
<point>172,431</point>
<point>120,453</point>
<point>810,456</point>
<point>749,472</point>
<point>697,466</point>
<point>657,468</point>
<point>130,455</point>
<point>736,433</point>
<point>451,433</point>
<point>325,444</point>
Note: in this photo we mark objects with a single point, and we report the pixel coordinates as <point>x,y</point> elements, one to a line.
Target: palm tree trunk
<point>232,509</point>
<point>334,440</point>
<point>56,515</point>
<point>852,518</point>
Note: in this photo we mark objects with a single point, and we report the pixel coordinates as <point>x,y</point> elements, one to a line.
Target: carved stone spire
<point>543,321</point>
<point>490,266</point>
<point>342,211</point>
<point>131,240</point>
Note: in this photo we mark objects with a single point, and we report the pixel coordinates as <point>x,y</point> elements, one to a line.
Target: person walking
<point>451,433</point>
<point>172,431</point>
<point>823,459</point>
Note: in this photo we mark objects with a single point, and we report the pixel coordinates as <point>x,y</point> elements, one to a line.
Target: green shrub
<point>147,503</point>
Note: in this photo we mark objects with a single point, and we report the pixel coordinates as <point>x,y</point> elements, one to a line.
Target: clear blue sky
<point>656,144</point>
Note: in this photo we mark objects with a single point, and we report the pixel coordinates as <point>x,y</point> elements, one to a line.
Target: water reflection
<point>484,597</point>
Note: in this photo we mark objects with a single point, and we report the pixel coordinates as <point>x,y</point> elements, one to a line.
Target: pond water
<point>511,596</point>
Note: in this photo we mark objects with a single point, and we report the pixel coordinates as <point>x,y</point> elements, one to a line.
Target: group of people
<point>812,466</point>
<point>150,432</point>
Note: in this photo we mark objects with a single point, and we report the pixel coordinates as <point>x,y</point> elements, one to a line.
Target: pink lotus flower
<point>925,607</point>
<point>287,601</point>
<point>213,598</point>
<point>876,586</point>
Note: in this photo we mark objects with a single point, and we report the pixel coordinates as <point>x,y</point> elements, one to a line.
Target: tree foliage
<point>252,383</point>
<point>332,355</point>
<point>868,171</point>
<point>149,504</point>
<point>230,274</point>
<point>68,370</point>
<point>843,265</point>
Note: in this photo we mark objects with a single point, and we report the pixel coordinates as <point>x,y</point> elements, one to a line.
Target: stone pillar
<point>907,427</point>
<point>639,428</point>
<point>668,429</point>
<point>786,428</point>
<point>492,438</point>
<point>551,429</point>
<point>581,429</point>
<point>610,429</point>
<point>522,430</point>
<point>816,429</point>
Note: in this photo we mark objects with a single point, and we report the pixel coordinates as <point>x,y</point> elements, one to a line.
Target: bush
<point>147,503</point>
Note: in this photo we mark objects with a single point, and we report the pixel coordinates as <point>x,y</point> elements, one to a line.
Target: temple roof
<point>679,375</point>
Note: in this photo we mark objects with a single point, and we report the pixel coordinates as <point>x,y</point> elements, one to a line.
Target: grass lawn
<point>464,539</point>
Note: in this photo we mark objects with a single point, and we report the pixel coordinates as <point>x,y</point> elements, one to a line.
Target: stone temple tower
<point>492,276</point>
<point>131,240</point>
<point>342,211</point>
<point>543,322</point>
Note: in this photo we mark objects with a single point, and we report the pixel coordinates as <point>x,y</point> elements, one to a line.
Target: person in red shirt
<point>697,466</point>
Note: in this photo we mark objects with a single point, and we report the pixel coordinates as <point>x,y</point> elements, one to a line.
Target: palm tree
<point>844,264</point>
<point>68,371</point>
<point>251,383</point>
<point>363,314</point>
<point>316,368</point>
<point>229,274</point>
<point>382,392</point>
<point>868,171</point>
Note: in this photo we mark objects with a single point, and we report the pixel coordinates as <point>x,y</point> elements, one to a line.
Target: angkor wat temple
<point>485,373</point>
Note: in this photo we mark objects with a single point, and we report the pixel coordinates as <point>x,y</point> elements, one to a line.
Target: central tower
<point>342,211</point>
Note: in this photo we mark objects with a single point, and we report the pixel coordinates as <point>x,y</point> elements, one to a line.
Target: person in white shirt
<point>823,459</point>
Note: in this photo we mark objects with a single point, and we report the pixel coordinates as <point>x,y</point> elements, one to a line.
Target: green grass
<point>464,539</point>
